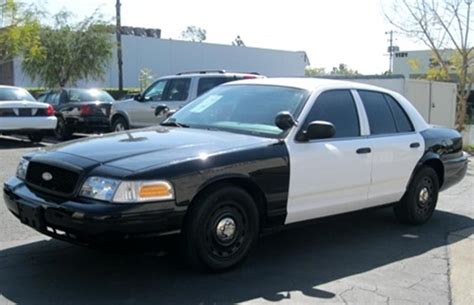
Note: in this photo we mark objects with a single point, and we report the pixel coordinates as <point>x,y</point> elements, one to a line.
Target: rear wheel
<point>220,229</point>
<point>419,202</point>
<point>62,132</point>
<point>120,124</point>
<point>35,138</point>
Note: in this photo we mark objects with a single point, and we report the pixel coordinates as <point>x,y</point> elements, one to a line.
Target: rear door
<point>396,147</point>
<point>330,176</point>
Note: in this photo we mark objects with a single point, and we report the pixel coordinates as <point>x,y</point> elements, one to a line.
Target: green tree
<point>343,70</point>
<point>70,51</point>
<point>194,33</point>
<point>441,25</point>
<point>19,29</point>
<point>312,72</point>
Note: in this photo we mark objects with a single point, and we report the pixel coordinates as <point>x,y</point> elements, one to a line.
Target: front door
<point>329,176</point>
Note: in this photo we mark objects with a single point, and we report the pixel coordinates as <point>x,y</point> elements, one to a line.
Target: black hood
<point>152,147</point>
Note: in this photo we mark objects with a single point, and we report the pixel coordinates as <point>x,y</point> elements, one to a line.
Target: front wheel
<point>419,202</point>
<point>120,124</point>
<point>220,229</point>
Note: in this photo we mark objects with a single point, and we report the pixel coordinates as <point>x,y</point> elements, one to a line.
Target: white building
<point>413,64</point>
<point>165,57</point>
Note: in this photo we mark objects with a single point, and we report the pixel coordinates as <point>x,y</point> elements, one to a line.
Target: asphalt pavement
<point>360,258</point>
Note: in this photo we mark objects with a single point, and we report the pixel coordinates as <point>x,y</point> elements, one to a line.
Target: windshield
<point>241,108</point>
<point>89,95</point>
<point>15,94</point>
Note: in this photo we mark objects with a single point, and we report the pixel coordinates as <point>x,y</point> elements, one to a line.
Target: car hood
<point>157,146</point>
<point>22,104</point>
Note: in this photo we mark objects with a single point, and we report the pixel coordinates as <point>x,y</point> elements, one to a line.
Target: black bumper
<point>88,124</point>
<point>454,170</point>
<point>89,222</point>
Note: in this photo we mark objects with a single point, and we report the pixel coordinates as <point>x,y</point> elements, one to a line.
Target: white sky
<point>330,31</point>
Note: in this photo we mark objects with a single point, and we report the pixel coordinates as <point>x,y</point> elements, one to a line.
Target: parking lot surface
<point>359,258</point>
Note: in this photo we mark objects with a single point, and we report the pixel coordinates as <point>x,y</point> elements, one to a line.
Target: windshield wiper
<point>175,124</point>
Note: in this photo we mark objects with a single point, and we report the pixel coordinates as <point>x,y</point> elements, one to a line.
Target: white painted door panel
<point>393,164</point>
<point>326,178</point>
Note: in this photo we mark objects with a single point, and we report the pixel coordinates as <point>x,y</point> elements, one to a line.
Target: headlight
<point>22,168</point>
<point>99,188</point>
<point>126,191</point>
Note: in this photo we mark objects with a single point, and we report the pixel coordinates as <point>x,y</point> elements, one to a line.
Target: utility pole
<point>391,50</point>
<point>119,45</point>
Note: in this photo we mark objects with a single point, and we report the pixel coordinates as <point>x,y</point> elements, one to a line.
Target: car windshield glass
<point>89,95</point>
<point>242,108</point>
<point>15,94</point>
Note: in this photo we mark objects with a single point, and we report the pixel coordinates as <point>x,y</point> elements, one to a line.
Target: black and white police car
<point>245,158</point>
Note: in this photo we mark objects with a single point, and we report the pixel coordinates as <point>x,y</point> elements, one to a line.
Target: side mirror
<point>138,97</point>
<point>161,110</point>
<point>319,130</point>
<point>284,120</point>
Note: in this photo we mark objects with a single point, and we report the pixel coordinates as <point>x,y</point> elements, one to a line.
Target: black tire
<point>62,132</point>
<point>419,202</point>
<point>120,124</point>
<point>35,138</point>
<point>221,228</point>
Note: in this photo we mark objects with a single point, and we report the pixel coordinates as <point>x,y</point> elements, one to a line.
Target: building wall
<point>165,57</point>
<point>411,64</point>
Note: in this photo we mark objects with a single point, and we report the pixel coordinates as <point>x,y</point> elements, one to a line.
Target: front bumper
<point>86,223</point>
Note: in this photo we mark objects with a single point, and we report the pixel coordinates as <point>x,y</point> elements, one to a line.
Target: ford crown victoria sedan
<point>246,158</point>
<point>21,114</point>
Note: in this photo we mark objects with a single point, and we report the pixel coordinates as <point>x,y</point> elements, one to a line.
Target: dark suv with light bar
<point>79,110</point>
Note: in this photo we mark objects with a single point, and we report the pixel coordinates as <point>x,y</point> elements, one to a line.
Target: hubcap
<point>225,229</point>
<point>424,195</point>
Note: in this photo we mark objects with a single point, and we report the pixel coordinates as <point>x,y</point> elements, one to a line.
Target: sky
<point>330,31</point>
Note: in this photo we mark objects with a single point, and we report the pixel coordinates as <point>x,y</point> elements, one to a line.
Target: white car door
<point>142,113</point>
<point>396,146</point>
<point>329,176</point>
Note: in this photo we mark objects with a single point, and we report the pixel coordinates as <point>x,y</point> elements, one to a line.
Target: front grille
<point>62,181</point>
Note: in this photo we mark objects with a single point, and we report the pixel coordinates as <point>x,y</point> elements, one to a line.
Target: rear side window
<point>401,119</point>
<point>338,108</point>
<point>207,83</point>
<point>378,112</point>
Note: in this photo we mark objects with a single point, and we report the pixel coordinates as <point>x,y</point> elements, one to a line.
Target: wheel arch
<point>119,114</point>
<point>242,181</point>
<point>432,160</point>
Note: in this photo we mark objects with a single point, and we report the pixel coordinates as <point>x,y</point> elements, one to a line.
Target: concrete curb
<point>461,266</point>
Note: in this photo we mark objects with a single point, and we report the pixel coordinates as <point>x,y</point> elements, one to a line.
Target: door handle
<point>414,145</point>
<point>364,150</point>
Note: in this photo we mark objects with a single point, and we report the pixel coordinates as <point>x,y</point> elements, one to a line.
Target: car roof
<point>306,83</point>
<point>211,74</point>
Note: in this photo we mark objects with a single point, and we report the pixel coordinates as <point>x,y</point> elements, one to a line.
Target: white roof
<point>310,84</point>
<point>320,84</point>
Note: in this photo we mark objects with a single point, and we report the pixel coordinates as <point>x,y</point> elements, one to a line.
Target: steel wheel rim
<point>223,248</point>
<point>425,192</point>
<point>119,127</point>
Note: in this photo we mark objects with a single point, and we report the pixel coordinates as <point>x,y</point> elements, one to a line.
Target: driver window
<point>155,92</point>
<point>337,107</point>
